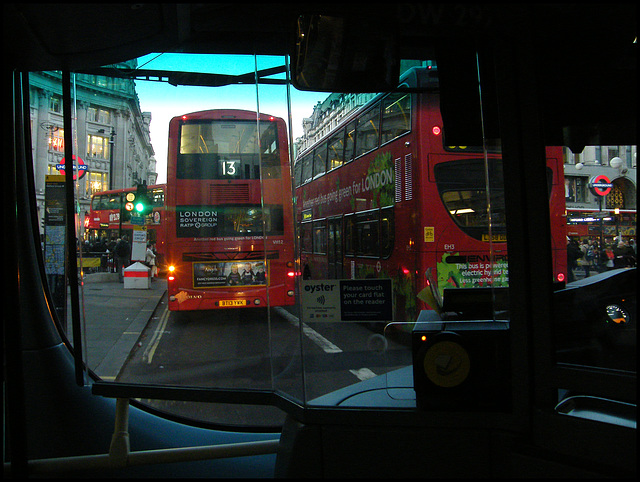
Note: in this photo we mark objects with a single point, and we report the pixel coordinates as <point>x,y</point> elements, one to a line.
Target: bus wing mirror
<point>343,54</point>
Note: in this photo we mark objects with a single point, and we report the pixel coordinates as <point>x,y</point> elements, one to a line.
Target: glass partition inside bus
<point>400,269</point>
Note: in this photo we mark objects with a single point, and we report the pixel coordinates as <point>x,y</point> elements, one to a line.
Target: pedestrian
<point>623,256</point>
<point>589,257</point>
<point>111,253</point>
<point>122,255</point>
<point>608,257</point>
<point>573,254</point>
<point>597,257</point>
<point>150,260</point>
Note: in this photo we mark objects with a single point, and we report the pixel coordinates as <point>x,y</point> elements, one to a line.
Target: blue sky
<point>166,101</point>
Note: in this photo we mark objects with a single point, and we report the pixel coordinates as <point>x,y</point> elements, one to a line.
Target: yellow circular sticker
<point>447,364</point>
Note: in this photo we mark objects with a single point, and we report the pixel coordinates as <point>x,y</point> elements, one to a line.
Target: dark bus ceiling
<point>582,50</point>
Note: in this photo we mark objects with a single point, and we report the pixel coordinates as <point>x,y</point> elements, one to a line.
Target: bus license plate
<point>228,303</point>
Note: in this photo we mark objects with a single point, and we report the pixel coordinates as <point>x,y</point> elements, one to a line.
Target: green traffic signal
<point>142,203</point>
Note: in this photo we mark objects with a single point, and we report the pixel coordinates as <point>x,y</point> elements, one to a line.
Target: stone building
<point>111,134</point>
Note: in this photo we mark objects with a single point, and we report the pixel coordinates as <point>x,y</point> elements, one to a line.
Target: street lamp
<point>112,144</point>
<point>616,163</point>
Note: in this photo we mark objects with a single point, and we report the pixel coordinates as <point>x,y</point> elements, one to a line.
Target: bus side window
<point>349,235</point>
<point>307,168</point>
<point>387,230</point>
<point>114,202</point>
<point>320,237</point>
<point>350,141</point>
<point>368,131</point>
<point>396,116</point>
<point>336,150</point>
<point>320,160</point>
<point>297,173</point>
<point>306,242</point>
<point>367,234</point>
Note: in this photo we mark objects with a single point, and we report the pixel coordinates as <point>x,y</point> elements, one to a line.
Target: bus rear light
<point>560,277</point>
<point>436,130</point>
<point>405,271</point>
<point>290,293</point>
<point>256,302</point>
<point>291,274</point>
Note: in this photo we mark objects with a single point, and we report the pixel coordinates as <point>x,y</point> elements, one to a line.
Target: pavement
<point>115,318</point>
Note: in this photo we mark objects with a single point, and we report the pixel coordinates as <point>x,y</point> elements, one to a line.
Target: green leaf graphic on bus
<point>380,181</point>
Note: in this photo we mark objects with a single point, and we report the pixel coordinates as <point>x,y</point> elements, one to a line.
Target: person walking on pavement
<point>150,260</point>
<point>123,253</point>
<point>573,254</point>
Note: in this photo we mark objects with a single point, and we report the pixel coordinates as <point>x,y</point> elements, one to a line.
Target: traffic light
<point>142,203</point>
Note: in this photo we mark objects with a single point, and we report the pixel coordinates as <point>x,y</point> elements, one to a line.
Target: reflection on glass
<point>382,219</point>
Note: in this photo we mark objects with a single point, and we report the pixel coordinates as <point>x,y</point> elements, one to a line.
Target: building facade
<point>592,213</point>
<point>326,115</point>
<point>111,134</point>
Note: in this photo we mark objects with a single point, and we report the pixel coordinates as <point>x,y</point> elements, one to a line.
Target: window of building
<point>55,104</point>
<point>98,114</point>
<point>97,146</point>
<point>575,189</point>
<point>56,141</point>
<point>97,182</point>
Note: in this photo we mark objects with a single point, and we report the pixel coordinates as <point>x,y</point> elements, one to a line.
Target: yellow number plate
<point>226,303</point>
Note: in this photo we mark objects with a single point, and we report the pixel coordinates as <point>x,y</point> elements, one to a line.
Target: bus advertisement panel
<point>230,218</point>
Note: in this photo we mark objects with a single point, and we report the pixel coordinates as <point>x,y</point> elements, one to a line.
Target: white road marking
<point>328,347</point>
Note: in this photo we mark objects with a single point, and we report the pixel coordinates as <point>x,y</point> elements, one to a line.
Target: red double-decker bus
<point>229,211</point>
<point>108,218</point>
<point>383,196</point>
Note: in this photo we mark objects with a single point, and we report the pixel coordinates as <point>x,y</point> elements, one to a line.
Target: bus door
<point>334,248</point>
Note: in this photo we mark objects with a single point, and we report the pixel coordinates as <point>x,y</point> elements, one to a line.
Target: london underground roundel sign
<point>82,167</point>
<point>600,185</point>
